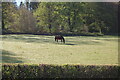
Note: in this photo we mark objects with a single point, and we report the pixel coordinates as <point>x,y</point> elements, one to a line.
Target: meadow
<point>42,49</point>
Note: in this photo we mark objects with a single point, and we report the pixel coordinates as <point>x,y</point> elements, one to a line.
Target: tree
<point>34,5</point>
<point>0,10</point>
<point>62,17</point>
<point>45,16</point>
<point>72,11</point>
<point>26,22</point>
<point>8,16</point>
<point>106,14</point>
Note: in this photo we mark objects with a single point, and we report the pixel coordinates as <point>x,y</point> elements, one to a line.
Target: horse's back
<point>57,36</point>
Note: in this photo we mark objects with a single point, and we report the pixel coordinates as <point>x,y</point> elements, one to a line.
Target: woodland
<point>60,17</point>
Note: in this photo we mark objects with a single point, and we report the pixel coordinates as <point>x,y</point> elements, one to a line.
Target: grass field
<point>40,49</point>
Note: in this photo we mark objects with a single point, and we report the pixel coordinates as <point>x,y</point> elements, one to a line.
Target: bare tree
<point>26,20</point>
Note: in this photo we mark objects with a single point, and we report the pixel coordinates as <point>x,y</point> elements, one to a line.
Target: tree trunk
<point>69,23</point>
<point>50,28</point>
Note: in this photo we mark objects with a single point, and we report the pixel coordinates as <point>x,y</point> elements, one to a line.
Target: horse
<point>59,37</point>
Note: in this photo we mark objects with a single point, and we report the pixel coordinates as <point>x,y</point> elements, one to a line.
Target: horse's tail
<point>63,40</point>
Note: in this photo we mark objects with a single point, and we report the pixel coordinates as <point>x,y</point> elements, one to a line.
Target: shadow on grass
<point>90,43</point>
<point>111,40</point>
<point>70,44</point>
<point>9,57</point>
<point>48,39</point>
<point>83,43</point>
<point>29,39</point>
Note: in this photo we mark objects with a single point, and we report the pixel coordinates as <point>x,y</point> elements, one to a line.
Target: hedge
<point>59,71</point>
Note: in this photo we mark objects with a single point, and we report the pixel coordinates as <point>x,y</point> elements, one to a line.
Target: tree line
<point>60,17</point>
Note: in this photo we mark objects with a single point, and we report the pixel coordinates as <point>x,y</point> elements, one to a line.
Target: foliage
<point>13,71</point>
<point>9,15</point>
<point>60,17</point>
<point>26,22</point>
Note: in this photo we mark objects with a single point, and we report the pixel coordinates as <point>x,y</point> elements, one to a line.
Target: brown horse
<point>59,37</point>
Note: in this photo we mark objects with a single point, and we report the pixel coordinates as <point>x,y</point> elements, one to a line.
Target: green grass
<point>39,49</point>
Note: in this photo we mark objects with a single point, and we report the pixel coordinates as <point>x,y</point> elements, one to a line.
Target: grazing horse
<point>59,37</point>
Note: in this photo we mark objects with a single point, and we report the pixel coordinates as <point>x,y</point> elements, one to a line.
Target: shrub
<point>55,71</point>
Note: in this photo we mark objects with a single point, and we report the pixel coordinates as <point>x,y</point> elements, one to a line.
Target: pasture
<point>41,49</point>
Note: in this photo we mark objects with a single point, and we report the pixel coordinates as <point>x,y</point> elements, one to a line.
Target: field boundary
<point>14,71</point>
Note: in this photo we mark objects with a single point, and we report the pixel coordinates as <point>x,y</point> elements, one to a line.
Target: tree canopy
<point>60,17</point>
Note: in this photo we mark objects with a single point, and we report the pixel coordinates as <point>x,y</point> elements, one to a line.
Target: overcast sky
<point>18,1</point>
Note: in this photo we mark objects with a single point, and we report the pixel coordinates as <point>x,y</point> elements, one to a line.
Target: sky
<point>18,1</point>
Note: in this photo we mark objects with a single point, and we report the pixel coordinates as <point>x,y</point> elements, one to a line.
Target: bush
<point>55,71</point>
